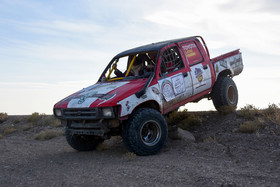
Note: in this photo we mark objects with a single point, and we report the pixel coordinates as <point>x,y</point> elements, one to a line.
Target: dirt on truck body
<point>139,86</point>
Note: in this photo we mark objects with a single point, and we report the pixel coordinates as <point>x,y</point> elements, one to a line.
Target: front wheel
<point>82,142</point>
<point>224,93</point>
<point>145,133</point>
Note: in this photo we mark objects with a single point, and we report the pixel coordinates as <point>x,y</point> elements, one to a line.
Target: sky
<point>51,49</point>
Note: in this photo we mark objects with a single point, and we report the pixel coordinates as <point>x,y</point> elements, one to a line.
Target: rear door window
<point>171,61</point>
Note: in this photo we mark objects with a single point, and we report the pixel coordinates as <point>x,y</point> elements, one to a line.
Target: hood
<point>102,94</point>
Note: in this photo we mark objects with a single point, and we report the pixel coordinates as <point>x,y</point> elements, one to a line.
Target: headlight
<point>107,112</point>
<point>57,112</point>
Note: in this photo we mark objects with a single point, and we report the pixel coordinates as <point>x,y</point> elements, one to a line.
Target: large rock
<point>180,134</point>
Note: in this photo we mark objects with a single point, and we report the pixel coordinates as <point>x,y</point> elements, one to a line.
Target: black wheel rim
<point>150,133</point>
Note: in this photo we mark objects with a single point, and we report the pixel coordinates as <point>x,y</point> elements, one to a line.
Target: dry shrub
<point>249,111</point>
<point>211,139</point>
<point>1,136</point>
<point>129,156</point>
<point>51,121</point>
<point>33,118</point>
<point>251,126</point>
<point>16,121</point>
<point>224,110</point>
<point>271,109</point>
<point>102,147</point>
<point>3,117</point>
<point>183,119</point>
<point>48,134</point>
<point>9,130</point>
<point>27,126</point>
<point>272,113</point>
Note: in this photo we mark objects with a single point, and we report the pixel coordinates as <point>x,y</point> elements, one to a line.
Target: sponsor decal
<point>107,97</point>
<point>235,61</point>
<point>167,90</point>
<point>104,97</point>
<point>82,99</point>
<point>127,105</point>
<point>92,93</point>
<point>173,87</point>
<point>188,49</point>
<point>189,46</point>
<point>155,90</point>
<point>178,83</point>
<point>198,74</point>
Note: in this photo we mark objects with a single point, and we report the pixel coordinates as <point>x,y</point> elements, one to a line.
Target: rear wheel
<point>224,93</point>
<point>145,133</point>
<point>82,142</point>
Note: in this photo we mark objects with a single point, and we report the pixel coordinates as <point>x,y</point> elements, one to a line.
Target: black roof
<point>151,47</point>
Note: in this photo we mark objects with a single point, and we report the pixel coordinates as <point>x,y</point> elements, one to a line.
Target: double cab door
<point>183,73</point>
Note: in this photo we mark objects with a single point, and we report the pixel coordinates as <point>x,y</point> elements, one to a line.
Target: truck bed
<point>226,55</point>
<point>231,61</point>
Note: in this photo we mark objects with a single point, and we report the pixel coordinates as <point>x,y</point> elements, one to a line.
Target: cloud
<point>45,85</point>
<point>237,23</point>
<point>73,28</point>
<point>48,50</point>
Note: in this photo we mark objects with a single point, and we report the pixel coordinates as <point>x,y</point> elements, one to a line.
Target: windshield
<point>130,67</point>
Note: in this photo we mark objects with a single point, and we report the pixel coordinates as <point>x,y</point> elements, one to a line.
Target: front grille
<point>80,113</point>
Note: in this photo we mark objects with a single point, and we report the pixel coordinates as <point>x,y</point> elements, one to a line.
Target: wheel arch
<point>149,104</point>
<point>225,73</point>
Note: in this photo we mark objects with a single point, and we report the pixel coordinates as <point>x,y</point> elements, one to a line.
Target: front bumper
<point>88,121</point>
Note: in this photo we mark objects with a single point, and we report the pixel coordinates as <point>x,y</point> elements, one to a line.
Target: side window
<point>171,60</point>
<point>192,52</point>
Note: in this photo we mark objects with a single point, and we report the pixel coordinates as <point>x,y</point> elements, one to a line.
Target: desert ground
<point>218,151</point>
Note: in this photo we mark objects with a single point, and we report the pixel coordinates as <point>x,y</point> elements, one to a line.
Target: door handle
<point>205,67</point>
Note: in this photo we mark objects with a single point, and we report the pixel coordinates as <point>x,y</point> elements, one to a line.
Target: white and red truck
<point>141,85</point>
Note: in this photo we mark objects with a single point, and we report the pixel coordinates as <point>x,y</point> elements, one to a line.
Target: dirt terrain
<point>213,153</point>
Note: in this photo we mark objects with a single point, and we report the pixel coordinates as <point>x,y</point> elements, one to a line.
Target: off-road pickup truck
<point>141,85</point>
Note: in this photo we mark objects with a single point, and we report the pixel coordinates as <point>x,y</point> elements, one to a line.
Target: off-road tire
<point>82,142</point>
<point>145,132</point>
<point>224,93</point>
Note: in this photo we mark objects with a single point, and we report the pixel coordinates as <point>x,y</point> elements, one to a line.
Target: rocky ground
<point>214,153</point>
